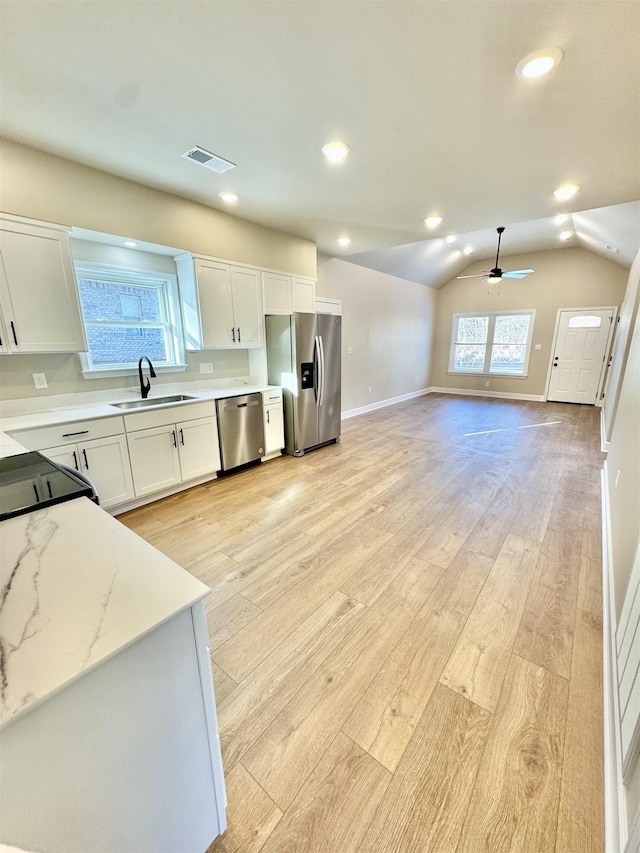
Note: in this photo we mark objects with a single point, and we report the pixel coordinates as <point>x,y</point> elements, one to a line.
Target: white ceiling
<point>424,92</point>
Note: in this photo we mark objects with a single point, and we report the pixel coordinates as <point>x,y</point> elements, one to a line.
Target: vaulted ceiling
<point>425,93</point>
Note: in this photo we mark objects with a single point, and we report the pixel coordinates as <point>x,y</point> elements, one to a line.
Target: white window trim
<point>129,275</point>
<point>490,332</point>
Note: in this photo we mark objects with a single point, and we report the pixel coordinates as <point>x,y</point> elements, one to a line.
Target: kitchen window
<point>493,343</point>
<point>128,314</point>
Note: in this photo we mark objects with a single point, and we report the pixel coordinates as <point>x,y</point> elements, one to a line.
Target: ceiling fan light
<point>538,63</point>
<point>494,279</point>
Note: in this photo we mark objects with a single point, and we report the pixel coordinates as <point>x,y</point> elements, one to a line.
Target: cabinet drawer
<point>69,433</point>
<point>273,395</point>
<point>169,415</point>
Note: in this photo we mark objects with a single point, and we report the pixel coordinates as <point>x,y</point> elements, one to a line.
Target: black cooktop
<point>29,481</point>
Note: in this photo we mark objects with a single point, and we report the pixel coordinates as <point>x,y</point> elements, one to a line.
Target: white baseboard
<point>615,806</point>
<point>352,413</point>
<point>504,395</point>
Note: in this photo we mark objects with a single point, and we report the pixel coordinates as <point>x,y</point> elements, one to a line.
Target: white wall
<point>388,323</point>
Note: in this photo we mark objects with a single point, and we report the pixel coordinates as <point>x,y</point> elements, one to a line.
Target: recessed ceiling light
<point>451,238</point>
<point>565,235</point>
<point>344,241</point>
<point>433,221</point>
<point>130,244</point>
<point>468,250</point>
<point>336,152</point>
<point>561,218</point>
<point>539,62</point>
<point>229,197</point>
<point>566,191</point>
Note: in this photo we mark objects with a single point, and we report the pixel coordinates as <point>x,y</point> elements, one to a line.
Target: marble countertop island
<point>76,587</point>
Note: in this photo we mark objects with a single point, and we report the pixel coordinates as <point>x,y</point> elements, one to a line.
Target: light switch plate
<point>39,380</point>
<point>206,367</point>
<point>538,346</point>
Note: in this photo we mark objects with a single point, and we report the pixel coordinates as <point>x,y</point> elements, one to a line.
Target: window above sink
<point>128,314</point>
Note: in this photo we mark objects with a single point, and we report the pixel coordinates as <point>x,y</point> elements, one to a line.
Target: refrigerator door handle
<point>321,370</point>
<point>317,373</point>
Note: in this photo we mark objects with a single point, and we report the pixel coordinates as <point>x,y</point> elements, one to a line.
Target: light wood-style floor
<point>406,632</point>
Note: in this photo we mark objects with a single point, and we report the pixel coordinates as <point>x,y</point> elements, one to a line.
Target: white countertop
<point>84,411</point>
<point>76,588</point>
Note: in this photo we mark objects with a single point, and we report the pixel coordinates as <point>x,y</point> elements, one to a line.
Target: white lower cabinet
<point>104,461</point>
<point>166,455</point>
<point>273,421</point>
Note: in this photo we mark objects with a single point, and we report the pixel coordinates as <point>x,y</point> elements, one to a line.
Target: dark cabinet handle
<point>268,421</point>
<point>70,434</point>
<point>84,456</point>
<point>49,488</point>
<point>239,338</point>
<point>37,495</point>
<point>75,460</point>
<point>13,332</point>
<point>175,440</point>
<point>181,437</point>
<point>233,334</point>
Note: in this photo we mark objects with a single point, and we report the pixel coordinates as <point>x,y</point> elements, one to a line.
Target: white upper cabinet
<point>222,304</point>
<point>38,294</point>
<point>285,294</point>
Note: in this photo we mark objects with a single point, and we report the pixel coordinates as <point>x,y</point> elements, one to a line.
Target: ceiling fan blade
<point>516,273</point>
<point>479,275</point>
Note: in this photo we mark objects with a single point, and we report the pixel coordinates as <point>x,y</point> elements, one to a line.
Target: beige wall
<point>563,278</point>
<point>41,186</point>
<point>388,322</point>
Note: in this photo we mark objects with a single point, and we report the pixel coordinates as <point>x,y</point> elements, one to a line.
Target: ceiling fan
<point>496,275</point>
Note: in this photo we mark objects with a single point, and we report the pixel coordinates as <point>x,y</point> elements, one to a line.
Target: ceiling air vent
<point>208,160</point>
<point>610,248</point>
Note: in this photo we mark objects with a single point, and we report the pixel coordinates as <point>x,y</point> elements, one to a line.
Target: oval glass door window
<point>585,322</point>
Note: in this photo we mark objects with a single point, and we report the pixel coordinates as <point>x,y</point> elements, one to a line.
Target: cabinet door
<point>303,295</point>
<point>198,445</point>
<point>247,307</point>
<point>66,455</point>
<point>105,461</point>
<point>38,290</point>
<point>273,429</point>
<point>216,304</point>
<point>276,291</point>
<point>155,463</point>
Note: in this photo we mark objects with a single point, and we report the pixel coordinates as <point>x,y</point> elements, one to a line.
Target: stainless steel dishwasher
<point>241,430</point>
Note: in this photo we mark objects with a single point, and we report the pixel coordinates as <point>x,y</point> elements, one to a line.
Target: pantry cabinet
<point>38,293</point>
<point>222,304</point>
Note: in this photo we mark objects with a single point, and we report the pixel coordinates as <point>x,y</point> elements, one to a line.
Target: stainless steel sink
<point>152,401</point>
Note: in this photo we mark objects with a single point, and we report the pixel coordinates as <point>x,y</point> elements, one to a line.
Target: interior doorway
<point>581,343</point>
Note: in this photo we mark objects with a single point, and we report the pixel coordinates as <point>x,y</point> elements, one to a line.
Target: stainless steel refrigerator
<point>303,356</point>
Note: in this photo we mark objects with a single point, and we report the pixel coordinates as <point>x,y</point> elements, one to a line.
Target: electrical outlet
<point>369,388</point>
<point>39,380</point>
<point>349,350</point>
<point>487,383</point>
<point>206,367</point>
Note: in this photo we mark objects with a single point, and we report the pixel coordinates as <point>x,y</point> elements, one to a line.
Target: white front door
<point>579,355</point>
